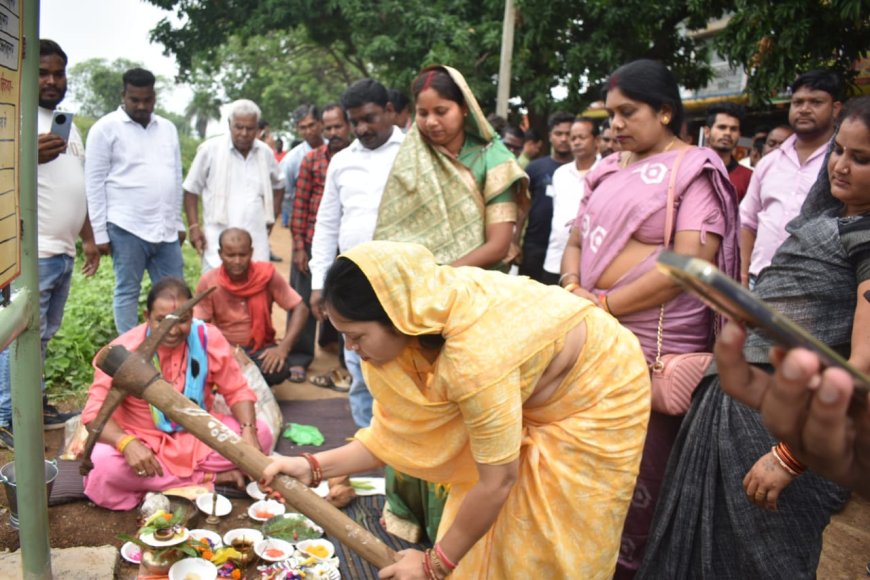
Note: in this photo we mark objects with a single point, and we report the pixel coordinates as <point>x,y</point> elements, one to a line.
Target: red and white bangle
<point>316,470</point>
<point>443,557</point>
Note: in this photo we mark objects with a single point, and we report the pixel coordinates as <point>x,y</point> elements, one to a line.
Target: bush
<point>89,325</point>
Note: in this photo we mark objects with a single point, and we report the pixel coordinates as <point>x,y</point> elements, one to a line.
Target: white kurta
<point>245,203</point>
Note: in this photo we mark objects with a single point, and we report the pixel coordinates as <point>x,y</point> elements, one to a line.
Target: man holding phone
<point>62,213</point>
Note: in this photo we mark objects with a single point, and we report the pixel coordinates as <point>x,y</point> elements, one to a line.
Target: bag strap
<point>669,227</point>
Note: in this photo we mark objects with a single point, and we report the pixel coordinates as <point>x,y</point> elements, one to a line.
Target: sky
<point>111,29</point>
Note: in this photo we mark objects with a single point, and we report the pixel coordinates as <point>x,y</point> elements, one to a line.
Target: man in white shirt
<point>567,191</point>
<point>62,215</point>
<point>133,182</point>
<point>348,211</point>
<point>240,184</point>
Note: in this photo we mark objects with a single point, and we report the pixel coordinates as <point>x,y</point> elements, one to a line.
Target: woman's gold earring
<point>666,120</point>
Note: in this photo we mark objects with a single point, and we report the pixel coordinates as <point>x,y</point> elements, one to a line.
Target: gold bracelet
<point>193,225</point>
<point>563,276</point>
<point>571,286</point>
<point>123,442</point>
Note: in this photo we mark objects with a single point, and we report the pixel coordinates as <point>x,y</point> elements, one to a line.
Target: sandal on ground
<point>337,380</point>
<point>297,375</point>
<point>341,379</point>
<point>322,381</point>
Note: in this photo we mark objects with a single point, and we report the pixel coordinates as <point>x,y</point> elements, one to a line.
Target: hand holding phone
<point>729,298</point>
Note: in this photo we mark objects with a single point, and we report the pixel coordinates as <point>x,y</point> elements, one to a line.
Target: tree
<point>559,43</point>
<point>201,109</point>
<point>96,84</point>
<point>775,41</point>
<point>279,70</point>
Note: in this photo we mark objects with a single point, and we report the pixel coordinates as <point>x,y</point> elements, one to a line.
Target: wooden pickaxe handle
<point>134,375</point>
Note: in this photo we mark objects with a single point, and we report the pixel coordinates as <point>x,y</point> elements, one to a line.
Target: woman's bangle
<point>443,557</point>
<point>316,470</point>
<point>787,460</point>
<point>602,300</point>
<point>248,425</point>
<point>571,286</point>
<point>123,442</point>
<point>193,225</point>
<point>563,276</point>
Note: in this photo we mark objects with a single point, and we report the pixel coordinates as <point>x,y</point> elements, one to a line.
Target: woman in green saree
<point>456,189</point>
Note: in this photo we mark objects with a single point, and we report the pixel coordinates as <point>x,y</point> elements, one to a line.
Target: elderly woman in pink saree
<point>619,232</point>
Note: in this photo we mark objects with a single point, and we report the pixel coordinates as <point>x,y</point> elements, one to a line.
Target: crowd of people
<point>512,414</point>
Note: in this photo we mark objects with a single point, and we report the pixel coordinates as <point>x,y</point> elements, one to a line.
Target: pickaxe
<point>134,374</point>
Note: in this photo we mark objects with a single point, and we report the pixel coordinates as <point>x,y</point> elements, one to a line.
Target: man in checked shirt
<point>309,190</point>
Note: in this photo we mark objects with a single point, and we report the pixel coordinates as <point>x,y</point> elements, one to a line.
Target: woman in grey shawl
<point>706,525</point>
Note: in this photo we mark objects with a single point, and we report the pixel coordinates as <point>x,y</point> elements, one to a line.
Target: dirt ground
<point>845,554</point>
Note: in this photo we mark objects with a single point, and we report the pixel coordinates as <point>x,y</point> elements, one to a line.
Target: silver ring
<point>141,473</point>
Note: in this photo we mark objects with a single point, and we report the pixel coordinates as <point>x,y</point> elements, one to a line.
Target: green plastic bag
<point>303,434</point>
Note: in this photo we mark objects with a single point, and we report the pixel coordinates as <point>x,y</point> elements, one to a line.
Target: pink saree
<point>630,203</point>
<point>621,204</point>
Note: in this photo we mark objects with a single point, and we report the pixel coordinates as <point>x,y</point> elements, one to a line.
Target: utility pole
<point>504,68</point>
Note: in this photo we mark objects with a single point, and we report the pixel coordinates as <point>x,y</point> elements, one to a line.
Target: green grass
<point>88,325</point>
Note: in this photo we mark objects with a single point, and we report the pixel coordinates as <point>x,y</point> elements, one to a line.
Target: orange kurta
<point>579,451</point>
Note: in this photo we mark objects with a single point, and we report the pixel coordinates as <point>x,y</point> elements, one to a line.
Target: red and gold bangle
<point>123,442</point>
<point>427,566</point>
<point>316,471</point>
<point>787,459</point>
<point>443,558</point>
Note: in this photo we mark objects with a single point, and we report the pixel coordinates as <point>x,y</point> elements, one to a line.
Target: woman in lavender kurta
<point>619,232</point>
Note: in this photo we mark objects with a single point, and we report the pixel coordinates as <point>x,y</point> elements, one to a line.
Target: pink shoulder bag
<point>674,376</point>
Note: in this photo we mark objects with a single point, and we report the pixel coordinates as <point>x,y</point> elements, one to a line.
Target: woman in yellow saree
<point>530,402</point>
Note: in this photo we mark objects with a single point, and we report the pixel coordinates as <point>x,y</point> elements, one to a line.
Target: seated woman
<point>140,449</point>
<point>723,471</point>
<point>531,403</point>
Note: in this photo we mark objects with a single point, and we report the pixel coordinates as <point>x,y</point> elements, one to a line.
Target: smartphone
<point>726,296</point>
<point>61,122</point>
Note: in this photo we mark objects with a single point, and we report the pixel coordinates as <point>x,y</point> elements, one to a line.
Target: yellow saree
<point>579,451</point>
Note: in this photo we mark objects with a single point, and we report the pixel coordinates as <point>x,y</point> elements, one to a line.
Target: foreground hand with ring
<point>141,472</point>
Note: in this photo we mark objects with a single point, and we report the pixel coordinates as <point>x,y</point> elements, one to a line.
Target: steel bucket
<point>7,476</point>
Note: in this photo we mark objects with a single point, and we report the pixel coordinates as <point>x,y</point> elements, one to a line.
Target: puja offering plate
<point>193,569</point>
<point>205,503</point>
<point>255,492</point>
<point>131,552</point>
<point>273,550</point>
<point>178,538</point>
<point>292,527</point>
<point>211,537</point>
<point>266,509</point>
<point>319,549</point>
<point>247,534</point>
